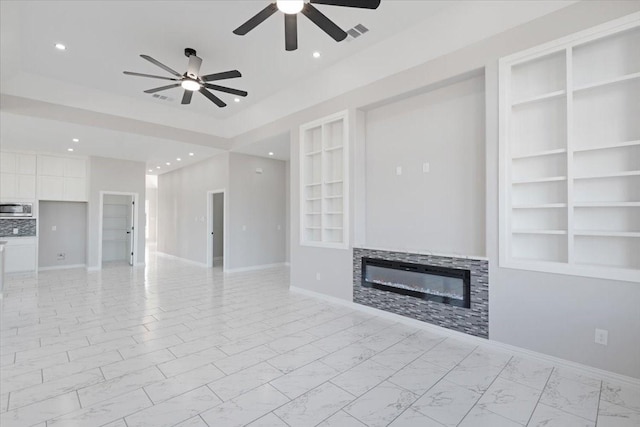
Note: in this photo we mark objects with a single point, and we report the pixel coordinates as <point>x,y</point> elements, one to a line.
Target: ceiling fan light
<point>290,6</point>
<point>191,85</point>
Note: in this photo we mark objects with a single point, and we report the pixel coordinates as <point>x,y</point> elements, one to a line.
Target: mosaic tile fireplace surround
<point>473,320</point>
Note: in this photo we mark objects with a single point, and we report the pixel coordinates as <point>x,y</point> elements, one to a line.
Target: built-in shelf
<point>607,82</point>
<point>606,233</point>
<point>568,125</point>
<point>537,98</point>
<point>535,180</point>
<point>609,175</point>
<point>606,204</point>
<point>541,206</point>
<point>324,173</point>
<point>539,154</point>
<point>608,146</point>
<point>560,232</point>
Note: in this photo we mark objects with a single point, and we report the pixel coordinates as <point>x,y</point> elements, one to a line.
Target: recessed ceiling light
<point>150,170</point>
<point>168,164</point>
<point>271,153</point>
<point>316,54</point>
<point>191,154</point>
<point>178,159</point>
<point>69,149</point>
<point>157,167</point>
<point>75,140</point>
<point>236,99</point>
<point>60,46</point>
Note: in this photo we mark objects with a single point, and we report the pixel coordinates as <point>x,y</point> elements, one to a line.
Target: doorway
<point>118,237</point>
<point>216,229</point>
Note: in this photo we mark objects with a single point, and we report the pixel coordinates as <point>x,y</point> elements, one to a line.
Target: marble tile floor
<point>175,344</point>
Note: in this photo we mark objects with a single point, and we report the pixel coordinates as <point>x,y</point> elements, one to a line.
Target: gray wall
<point>69,237</point>
<point>442,210</point>
<point>257,218</point>
<point>182,206</point>
<point>549,313</point>
<point>218,225</point>
<point>117,176</point>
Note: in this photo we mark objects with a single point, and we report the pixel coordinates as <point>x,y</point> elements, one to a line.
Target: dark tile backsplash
<point>26,227</point>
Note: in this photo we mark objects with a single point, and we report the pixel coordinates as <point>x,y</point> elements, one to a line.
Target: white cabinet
<point>20,255</point>
<point>17,176</point>
<point>62,178</point>
<point>324,187</point>
<point>570,155</point>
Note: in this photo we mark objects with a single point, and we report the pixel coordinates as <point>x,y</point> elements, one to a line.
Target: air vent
<point>162,97</point>
<point>356,32</point>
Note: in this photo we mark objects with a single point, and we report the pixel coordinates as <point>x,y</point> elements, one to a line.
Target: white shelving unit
<point>570,154</point>
<point>324,182</point>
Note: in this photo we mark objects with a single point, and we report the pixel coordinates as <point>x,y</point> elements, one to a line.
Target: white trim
<point>585,369</point>
<point>177,258</point>
<point>134,221</point>
<point>254,267</point>
<point>419,252</point>
<point>225,215</point>
<point>62,267</point>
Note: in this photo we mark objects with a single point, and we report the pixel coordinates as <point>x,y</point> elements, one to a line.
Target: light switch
<point>244,228</point>
<point>398,170</point>
<point>54,228</point>
<point>425,167</point>
<point>16,231</point>
<point>258,170</point>
<point>279,227</point>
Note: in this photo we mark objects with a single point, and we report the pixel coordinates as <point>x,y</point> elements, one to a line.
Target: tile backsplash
<point>26,227</point>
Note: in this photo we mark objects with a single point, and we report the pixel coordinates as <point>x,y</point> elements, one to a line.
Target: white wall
<point>257,212</point>
<point>182,206</point>
<point>550,313</point>
<point>442,210</point>
<point>152,207</point>
<point>117,176</point>
<point>69,236</point>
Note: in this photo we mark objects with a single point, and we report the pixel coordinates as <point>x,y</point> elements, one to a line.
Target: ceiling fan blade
<point>194,66</point>
<point>158,89</point>
<point>131,73</point>
<point>323,22</point>
<point>161,65</point>
<point>186,98</point>
<point>212,98</point>
<point>290,31</point>
<point>225,89</point>
<point>221,76</point>
<point>256,20</point>
<point>362,4</point>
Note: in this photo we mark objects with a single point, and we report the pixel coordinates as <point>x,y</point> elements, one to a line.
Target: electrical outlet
<point>54,228</point>
<point>61,256</point>
<point>602,336</point>
<point>425,167</point>
<point>398,170</point>
<point>16,231</point>
<point>317,276</point>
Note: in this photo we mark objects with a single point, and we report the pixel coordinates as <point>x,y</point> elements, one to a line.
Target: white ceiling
<point>104,38</point>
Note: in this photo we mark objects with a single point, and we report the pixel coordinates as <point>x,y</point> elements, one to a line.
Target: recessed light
<point>150,170</point>
<point>191,154</point>
<point>236,99</point>
<point>69,149</point>
<point>271,153</point>
<point>75,140</point>
<point>168,164</point>
<point>60,46</point>
<point>178,159</point>
<point>157,167</point>
<point>316,54</point>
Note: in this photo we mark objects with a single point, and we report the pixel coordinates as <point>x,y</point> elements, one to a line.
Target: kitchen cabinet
<point>62,178</point>
<point>18,180</point>
<point>20,254</point>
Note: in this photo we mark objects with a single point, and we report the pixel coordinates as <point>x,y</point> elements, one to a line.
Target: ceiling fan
<point>291,8</point>
<point>191,81</point>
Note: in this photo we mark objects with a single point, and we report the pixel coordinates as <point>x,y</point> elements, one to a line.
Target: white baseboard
<point>254,267</point>
<point>62,267</point>
<point>189,261</point>
<point>585,369</point>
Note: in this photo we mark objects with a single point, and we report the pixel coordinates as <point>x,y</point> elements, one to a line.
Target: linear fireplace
<point>435,283</point>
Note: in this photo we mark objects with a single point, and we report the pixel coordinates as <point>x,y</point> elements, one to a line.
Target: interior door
<point>131,231</point>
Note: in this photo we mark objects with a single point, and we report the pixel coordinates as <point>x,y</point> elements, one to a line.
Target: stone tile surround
<point>472,321</point>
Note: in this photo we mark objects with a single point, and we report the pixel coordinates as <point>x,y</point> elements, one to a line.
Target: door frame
<point>136,213</point>
<point>210,195</point>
